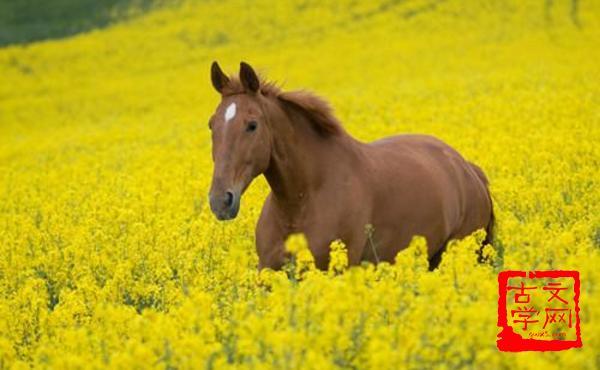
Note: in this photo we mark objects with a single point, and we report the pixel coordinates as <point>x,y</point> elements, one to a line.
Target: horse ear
<point>248,77</point>
<point>218,78</point>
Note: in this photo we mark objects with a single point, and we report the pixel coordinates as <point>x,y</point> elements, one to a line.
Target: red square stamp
<point>538,311</point>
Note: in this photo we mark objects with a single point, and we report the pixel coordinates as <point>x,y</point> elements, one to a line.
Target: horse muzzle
<point>225,205</point>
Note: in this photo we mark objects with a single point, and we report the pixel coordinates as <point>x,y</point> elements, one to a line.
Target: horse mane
<point>316,109</point>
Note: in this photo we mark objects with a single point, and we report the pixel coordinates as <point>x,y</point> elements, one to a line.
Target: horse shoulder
<point>270,238</point>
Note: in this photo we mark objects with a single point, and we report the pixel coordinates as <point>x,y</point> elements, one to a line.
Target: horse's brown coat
<point>329,186</point>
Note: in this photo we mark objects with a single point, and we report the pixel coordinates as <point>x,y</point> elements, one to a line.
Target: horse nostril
<point>228,199</point>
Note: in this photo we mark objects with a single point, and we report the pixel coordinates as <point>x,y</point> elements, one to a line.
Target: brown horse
<point>327,185</point>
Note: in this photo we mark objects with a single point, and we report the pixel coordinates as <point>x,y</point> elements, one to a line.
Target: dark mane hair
<point>316,109</point>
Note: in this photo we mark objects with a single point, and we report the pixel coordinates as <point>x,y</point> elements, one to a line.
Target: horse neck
<point>298,157</point>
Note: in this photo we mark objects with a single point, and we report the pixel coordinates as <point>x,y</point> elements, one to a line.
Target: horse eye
<point>251,126</point>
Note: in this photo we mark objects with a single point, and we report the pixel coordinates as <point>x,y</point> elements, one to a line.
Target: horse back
<point>428,188</point>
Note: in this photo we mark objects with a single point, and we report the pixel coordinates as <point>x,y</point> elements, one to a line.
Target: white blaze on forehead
<point>230,112</point>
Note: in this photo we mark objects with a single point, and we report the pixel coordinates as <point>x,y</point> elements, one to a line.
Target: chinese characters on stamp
<point>538,310</point>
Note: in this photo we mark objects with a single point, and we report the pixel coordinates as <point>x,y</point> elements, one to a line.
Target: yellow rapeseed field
<point>110,256</point>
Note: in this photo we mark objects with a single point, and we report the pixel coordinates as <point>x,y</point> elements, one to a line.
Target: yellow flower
<point>338,258</point>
